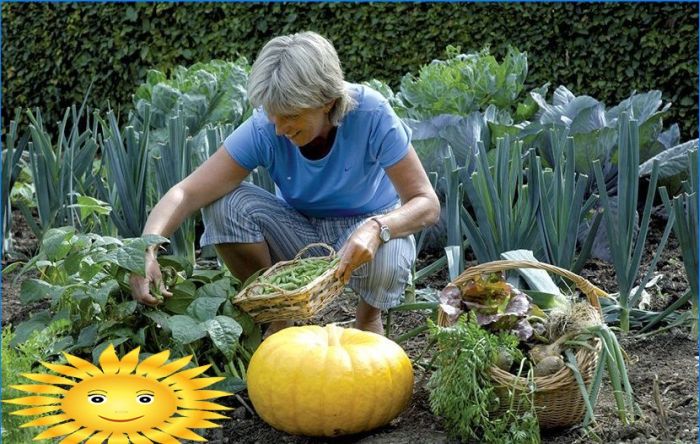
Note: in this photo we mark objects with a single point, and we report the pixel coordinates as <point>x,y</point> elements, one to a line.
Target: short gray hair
<point>298,71</point>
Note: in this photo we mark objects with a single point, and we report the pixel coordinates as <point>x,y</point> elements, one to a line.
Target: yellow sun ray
<point>193,423</point>
<point>58,430</point>
<point>169,368</point>
<point>34,400</point>
<point>118,438</point>
<point>40,389</point>
<point>160,437</point>
<point>130,361</point>
<point>48,378</point>
<point>189,374</point>
<point>201,395</point>
<point>200,405</point>
<point>76,437</point>
<point>97,438</point>
<point>36,410</point>
<point>109,362</point>
<point>179,383</point>
<point>82,364</point>
<point>47,420</point>
<point>180,430</point>
<point>138,438</point>
<point>66,370</point>
<point>151,363</point>
<point>201,414</point>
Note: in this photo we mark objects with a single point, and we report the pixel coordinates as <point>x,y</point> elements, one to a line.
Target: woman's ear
<point>329,106</point>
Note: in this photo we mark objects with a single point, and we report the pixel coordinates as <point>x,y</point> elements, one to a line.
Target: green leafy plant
<point>683,217</point>
<point>464,83</point>
<point>204,94</point>
<point>23,358</point>
<point>11,167</point>
<point>84,279</point>
<point>504,202</point>
<point>626,246</point>
<point>565,206</point>
<point>462,393</point>
<point>611,360</point>
<point>126,167</point>
<point>173,163</point>
<point>61,170</point>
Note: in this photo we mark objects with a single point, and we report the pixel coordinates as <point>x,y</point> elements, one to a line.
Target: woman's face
<point>303,126</point>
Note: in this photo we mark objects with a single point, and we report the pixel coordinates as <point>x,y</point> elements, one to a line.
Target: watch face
<point>384,234</point>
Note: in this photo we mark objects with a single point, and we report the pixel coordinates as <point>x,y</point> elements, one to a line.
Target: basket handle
<point>591,291</point>
<point>330,249</point>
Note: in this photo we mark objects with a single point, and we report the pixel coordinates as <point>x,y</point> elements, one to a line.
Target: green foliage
<point>606,50</point>
<point>16,361</point>
<point>565,206</point>
<point>126,166</point>
<point>464,83</point>
<point>627,245</point>
<point>61,168</point>
<point>462,393</point>
<point>11,168</point>
<point>505,204</point>
<point>203,94</point>
<point>84,279</point>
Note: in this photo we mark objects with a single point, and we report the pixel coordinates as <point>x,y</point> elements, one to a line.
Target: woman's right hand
<point>141,285</point>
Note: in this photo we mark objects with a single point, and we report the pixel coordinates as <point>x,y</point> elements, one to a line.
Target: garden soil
<point>663,370</point>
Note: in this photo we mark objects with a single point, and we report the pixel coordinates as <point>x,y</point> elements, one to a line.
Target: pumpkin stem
<point>334,333</point>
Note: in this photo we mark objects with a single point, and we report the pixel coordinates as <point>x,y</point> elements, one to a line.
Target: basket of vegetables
<point>498,306</point>
<point>293,290</point>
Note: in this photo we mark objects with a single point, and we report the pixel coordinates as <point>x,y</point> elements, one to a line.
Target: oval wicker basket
<point>557,397</point>
<point>288,305</point>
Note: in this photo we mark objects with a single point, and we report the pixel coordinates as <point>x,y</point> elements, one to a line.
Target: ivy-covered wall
<point>52,51</point>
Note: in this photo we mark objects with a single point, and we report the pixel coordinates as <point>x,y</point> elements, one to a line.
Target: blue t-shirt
<point>350,180</point>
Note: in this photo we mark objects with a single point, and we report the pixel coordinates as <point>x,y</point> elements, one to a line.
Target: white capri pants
<point>250,214</point>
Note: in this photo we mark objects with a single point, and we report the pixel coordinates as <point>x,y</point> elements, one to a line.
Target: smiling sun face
<point>120,403</point>
<point>122,400</point>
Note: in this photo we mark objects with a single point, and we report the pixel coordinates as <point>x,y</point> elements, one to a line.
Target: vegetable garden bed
<point>662,368</point>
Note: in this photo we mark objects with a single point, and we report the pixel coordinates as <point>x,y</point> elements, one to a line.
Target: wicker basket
<point>557,397</point>
<point>284,305</point>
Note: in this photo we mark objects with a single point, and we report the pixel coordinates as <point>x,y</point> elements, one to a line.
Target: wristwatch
<point>384,232</point>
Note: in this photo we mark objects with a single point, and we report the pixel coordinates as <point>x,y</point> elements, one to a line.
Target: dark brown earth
<point>665,363</point>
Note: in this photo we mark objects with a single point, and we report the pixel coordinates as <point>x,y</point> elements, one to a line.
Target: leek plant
<point>11,166</point>
<point>454,196</point>
<point>125,164</point>
<point>626,248</point>
<point>505,207</point>
<point>61,171</point>
<point>566,207</point>
<point>683,217</point>
<point>173,164</point>
<point>611,360</point>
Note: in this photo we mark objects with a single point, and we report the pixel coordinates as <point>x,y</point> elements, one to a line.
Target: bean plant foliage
<point>83,278</point>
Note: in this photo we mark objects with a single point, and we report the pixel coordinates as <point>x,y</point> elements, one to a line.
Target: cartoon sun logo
<point>121,401</point>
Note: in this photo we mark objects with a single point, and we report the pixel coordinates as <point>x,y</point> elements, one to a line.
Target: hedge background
<point>51,51</point>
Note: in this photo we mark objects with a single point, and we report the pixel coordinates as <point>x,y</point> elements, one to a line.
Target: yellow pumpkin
<point>329,381</point>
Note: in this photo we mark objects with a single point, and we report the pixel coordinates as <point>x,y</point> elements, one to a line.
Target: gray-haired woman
<point>345,173</point>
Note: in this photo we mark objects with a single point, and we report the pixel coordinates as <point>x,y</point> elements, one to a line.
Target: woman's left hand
<point>359,249</point>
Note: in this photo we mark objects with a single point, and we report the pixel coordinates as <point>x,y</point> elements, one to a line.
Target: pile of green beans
<point>293,277</point>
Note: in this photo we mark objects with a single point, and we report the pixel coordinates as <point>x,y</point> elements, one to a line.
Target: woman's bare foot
<point>369,318</point>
